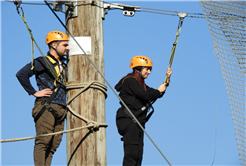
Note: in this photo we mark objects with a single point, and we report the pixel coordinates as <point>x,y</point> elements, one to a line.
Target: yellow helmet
<point>140,60</point>
<point>54,36</point>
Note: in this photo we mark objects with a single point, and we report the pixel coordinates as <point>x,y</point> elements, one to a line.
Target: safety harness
<point>144,110</point>
<point>137,114</point>
<point>47,105</point>
<point>46,102</point>
<point>141,111</point>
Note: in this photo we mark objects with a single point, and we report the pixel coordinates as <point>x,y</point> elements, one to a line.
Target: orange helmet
<point>54,36</point>
<point>140,60</point>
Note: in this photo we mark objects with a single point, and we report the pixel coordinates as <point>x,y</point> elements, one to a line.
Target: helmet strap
<point>140,72</point>
<point>58,42</point>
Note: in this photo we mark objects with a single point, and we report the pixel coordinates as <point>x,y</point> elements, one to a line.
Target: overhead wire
<point>139,9</point>
<point>160,11</point>
<point>174,13</point>
<point>170,14</point>
<point>51,2</point>
<point>151,10</point>
<point>27,3</point>
<point>189,14</point>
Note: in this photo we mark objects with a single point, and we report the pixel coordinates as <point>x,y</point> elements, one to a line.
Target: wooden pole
<point>86,147</point>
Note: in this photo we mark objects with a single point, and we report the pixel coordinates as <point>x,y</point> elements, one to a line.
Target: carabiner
<point>17,3</point>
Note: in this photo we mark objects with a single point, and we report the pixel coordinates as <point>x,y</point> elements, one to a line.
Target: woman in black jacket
<point>136,94</point>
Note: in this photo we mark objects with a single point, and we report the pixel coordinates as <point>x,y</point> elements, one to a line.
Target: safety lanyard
<point>53,72</point>
<point>181,19</point>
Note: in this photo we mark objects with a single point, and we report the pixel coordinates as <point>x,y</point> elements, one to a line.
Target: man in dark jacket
<point>49,111</point>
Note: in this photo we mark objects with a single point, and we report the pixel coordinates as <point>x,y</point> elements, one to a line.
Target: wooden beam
<point>86,147</point>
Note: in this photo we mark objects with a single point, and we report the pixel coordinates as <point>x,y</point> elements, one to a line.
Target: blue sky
<point>184,123</point>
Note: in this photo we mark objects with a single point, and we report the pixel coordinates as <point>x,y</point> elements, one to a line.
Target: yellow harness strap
<point>56,67</point>
<point>58,74</point>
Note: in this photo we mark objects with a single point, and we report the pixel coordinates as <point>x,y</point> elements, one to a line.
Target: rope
<point>85,86</point>
<point>167,79</point>
<point>217,107</point>
<point>181,19</point>
<point>90,124</point>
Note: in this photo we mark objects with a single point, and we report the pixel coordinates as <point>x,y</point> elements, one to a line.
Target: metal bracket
<point>73,7</point>
<point>57,6</point>
<point>127,9</point>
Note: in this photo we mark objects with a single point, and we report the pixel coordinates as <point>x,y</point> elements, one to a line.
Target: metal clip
<point>17,3</point>
<point>48,107</point>
<point>181,18</point>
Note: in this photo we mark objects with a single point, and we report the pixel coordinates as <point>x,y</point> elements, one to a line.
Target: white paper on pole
<point>85,43</point>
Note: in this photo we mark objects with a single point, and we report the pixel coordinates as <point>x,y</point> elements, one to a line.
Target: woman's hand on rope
<point>168,74</point>
<point>43,93</point>
<point>164,86</point>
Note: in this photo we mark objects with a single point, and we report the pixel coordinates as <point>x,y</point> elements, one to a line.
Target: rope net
<point>226,21</point>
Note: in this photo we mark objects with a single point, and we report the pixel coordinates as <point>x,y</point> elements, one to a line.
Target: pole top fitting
<point>182,15</point>
<point>17,2</point>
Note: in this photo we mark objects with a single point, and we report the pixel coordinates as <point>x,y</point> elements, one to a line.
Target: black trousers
<point>133,142</point>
